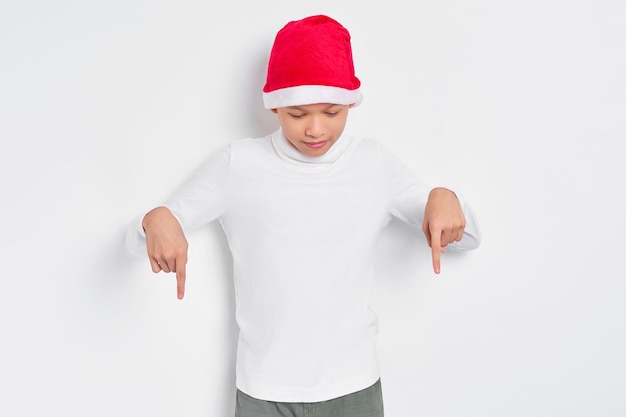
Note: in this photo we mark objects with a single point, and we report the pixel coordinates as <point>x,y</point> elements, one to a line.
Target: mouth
<point>316,145</point>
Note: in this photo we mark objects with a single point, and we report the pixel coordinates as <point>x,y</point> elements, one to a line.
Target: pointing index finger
<point>181,275</point>
<point>435,246</point>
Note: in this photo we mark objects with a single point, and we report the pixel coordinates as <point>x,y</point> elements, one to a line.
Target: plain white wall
<point>107,106</point>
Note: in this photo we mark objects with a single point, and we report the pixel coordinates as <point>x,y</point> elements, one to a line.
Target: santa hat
<point>311,62</point>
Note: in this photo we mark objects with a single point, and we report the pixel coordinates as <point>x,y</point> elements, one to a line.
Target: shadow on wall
<point>124,295</point>
<point>247,87</point>
<point>403,254</point>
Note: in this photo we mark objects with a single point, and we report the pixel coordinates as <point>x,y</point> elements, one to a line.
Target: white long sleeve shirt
<point>302,232</point>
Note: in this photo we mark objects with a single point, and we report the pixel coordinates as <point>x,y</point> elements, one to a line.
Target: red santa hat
<point>311,62</point>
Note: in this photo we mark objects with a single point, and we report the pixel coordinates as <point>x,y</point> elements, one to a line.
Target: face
<point>314,128</point>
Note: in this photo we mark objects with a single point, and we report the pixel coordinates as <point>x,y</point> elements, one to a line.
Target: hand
<point>166,245</point>
<point>444,222</point>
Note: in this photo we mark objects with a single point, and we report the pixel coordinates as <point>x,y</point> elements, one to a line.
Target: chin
<point>315,152</point>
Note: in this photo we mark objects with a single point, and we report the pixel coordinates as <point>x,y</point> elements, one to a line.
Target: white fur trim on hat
<point>311,94</point>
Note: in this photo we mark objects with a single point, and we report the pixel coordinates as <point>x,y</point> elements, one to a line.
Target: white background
<point>107,106</point>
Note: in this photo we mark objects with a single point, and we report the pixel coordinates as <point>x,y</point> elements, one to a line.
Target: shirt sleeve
<point>203,198</point>
<point>408,198</point>
<point>199,201</point>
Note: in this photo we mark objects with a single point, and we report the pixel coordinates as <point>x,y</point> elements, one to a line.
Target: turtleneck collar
<point>289,153</point>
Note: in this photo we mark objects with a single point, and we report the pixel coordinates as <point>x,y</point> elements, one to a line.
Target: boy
<point>302,209</point>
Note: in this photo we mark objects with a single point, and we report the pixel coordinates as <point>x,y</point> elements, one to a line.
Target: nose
<point>315,128</point>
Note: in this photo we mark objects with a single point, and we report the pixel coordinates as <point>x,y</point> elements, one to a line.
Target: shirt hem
<point>308,395</point>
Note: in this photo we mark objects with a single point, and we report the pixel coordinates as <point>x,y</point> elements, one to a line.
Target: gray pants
<point>365,403</point>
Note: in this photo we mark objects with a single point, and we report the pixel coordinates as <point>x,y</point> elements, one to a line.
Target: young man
<point>302,210</point>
